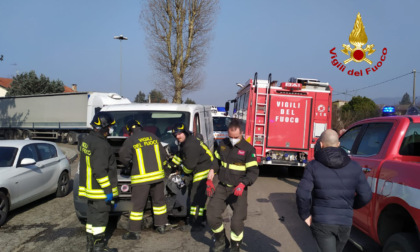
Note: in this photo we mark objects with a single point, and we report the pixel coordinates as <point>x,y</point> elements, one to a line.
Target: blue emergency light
<point>388,111</point>
<point>221,109</point>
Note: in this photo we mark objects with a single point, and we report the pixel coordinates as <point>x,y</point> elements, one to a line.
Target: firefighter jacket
<point>197,158</point>
<point>237,164</point>
<point>98,168</point>
<point>147,154</point>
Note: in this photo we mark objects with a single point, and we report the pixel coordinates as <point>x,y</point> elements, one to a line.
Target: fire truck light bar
<point>290,85</point>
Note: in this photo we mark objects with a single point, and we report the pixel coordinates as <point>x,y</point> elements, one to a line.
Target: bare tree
<point>178,35</point>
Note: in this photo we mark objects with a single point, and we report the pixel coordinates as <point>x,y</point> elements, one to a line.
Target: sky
<point>73,41</point>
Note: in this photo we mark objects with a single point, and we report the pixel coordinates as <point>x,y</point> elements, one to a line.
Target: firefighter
<point>98,180</point>
<point>196,159</point>
<point>146,153</point>
<point>237,170</point>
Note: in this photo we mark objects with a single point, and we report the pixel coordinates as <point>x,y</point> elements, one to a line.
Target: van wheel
<point>4,207</point>
<point>63,184</point>
<point>404,242</point>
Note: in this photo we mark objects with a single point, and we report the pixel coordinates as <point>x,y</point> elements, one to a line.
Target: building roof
<point>5,82</point>
<point>68,89</point>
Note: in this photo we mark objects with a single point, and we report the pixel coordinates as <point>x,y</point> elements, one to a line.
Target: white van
<point>160,118</point>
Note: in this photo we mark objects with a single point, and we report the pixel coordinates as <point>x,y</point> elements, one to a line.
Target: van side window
<point>373,138</point>
<point>196,127</point>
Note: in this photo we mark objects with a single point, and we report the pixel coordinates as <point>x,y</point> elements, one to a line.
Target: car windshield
<point>159,123</point>
<point>7,156</point>
<point>220,123</point>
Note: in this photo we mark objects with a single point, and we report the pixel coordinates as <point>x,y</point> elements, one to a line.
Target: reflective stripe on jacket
<point>98,168</point>
<point>197,158</point>
<point>147,154</point>
<point>237,164</point>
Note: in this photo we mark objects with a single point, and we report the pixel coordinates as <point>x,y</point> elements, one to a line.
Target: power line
<point>377,84</point>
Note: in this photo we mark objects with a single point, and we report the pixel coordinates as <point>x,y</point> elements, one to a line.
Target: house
<point>5,83</point>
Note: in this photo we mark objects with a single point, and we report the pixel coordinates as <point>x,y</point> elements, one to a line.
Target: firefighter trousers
<point>139,196</point>
<point>197,201</point>
<point>222,197</point>
<point>97,216</point>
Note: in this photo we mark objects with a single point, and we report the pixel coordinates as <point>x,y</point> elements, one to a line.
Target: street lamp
<point>120,38</point>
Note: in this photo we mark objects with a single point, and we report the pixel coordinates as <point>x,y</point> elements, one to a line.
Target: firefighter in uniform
<point>98,180</point>
<point>146,153</point>
<point>196,159</point>
<point>238,169</point>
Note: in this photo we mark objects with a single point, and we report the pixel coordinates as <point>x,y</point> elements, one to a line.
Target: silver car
<point>30,170</point>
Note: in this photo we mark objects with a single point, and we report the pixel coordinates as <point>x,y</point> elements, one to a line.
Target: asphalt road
<point>50,224</point>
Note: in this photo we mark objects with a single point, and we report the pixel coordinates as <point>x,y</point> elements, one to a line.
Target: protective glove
<point>176,160</point>
<point>109,197</point>
<point>210,188</point>
<point>239,189</point>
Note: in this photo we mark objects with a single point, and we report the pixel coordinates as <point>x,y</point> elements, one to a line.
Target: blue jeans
<point>330,238</point>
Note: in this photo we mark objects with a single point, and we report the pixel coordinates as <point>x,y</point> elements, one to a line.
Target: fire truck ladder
<point>260,119</point>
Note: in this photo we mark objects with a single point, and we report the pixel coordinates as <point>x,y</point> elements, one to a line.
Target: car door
<point>367,151</point>
<point>25,178</point>
<point>48,163</point>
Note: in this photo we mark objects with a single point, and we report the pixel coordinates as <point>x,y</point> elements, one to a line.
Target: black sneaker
<point>161,229</point>
<point>131,236</point>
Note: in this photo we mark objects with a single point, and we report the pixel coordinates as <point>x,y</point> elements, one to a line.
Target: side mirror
<point>27,161</point>
<point>227,107</point>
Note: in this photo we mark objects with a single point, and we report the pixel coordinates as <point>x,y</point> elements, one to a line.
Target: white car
<point>30,170</point>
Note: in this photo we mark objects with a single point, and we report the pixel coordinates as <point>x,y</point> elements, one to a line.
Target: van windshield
<point>221,123</point>
<point>157,122</point>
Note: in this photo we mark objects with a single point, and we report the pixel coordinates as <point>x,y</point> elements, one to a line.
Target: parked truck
<point>388,150</point>
<point>52,116</point>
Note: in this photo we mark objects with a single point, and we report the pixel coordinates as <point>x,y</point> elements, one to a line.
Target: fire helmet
<point>133,124</point>
<point>179,128</point>
<point>102,120</point>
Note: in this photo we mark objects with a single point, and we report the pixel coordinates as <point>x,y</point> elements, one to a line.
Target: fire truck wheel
<point>402,242</point>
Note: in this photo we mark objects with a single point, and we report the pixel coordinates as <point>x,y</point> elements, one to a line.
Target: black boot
<point>161,229</point>
<point>89,242</point>
<point>99,244</point>
<point>195,224</point>
<point>131,236</point>
<point>234,246</point>
<point>220,242</point>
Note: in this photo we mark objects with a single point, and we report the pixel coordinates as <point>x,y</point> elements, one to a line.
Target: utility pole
<point>414,87</point>
<point>120,38</point>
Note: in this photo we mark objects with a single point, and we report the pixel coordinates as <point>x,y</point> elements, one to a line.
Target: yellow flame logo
<point>98,123</point>
<point>358,38</point>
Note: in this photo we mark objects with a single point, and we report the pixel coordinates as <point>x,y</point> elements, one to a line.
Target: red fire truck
<point>283,122</point>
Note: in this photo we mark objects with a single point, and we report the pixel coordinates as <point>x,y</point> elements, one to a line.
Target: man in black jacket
<point>147,155</point>
<point>196,159</point>
<point>98,180</point>
<point>331,187</point>
<point>237,170</point>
